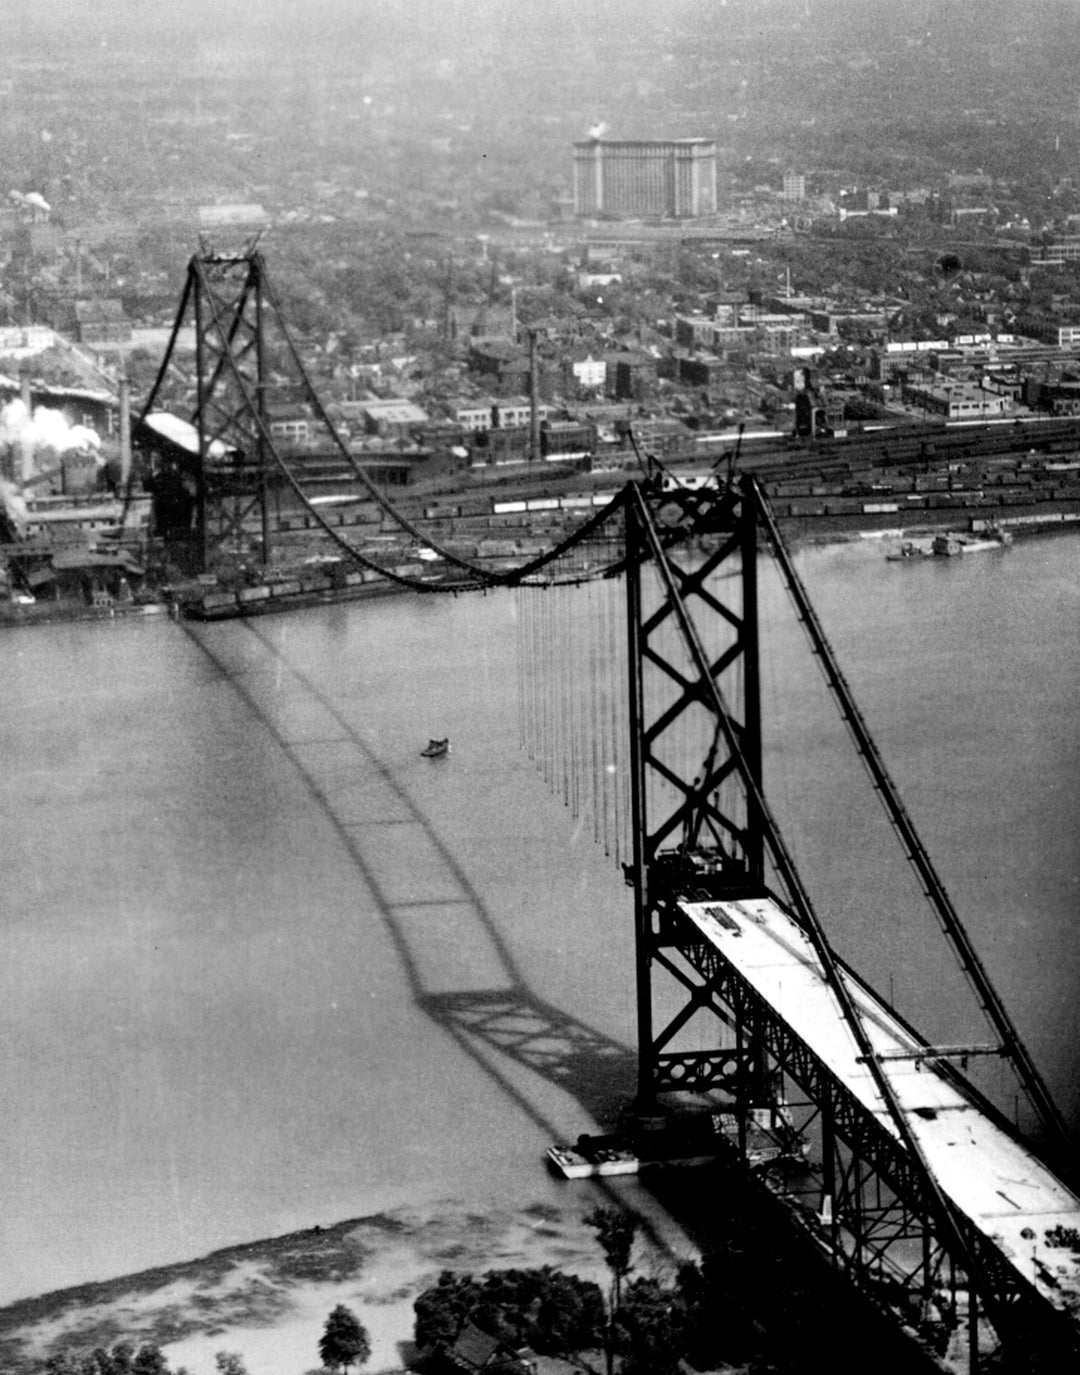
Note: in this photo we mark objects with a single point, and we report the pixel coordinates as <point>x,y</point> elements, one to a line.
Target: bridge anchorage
<point>908,1176</point>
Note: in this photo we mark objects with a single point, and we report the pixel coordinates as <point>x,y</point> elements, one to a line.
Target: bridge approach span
<point>1010,1202</point>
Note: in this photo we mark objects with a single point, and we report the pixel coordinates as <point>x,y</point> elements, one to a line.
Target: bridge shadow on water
<point>502,1024</point>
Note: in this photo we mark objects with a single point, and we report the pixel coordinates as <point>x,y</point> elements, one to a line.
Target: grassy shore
<point>269,1299</point>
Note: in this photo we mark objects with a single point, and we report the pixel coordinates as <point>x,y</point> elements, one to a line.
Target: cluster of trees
<point>123,1359</point>
<point>543,1309</point>
<point>344,1343</point>
<point>644,1324</point>
<point>757,1300</point>
<point>127,1359</point>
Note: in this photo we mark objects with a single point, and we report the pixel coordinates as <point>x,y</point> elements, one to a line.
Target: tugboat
<point>434,748</point>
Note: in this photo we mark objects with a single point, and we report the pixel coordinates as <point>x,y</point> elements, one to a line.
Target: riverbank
<point>269,1299</point>
<point>311,577</point>
<point>209,601</point>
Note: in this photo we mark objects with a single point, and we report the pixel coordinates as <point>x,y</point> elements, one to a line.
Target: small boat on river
<point>435,748</point>
<point>950,545</point>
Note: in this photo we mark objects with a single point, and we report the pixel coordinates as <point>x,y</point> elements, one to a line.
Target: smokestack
<point>125,431</point>
<point>26,450</point>
<point>534,411</point>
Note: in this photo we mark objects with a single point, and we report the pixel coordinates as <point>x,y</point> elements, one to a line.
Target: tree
<point>441,1311</point>
<point>344,1341</point>
<point>651,1329</point>
<point>148,1360</point>
<point>66,1363</point>
<point>230,1363</point>
<point>615,1231</point>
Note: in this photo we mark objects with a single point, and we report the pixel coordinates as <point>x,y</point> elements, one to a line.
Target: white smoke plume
<point>38,440</point>
<point>13,506</point>
<point>34,199</point>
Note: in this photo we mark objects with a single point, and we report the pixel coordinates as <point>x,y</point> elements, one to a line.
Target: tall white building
<point>675,178</point>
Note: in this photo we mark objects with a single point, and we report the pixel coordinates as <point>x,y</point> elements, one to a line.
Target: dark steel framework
<point>224,300</point>
<point>870,1198</point>
<point>237,470</point>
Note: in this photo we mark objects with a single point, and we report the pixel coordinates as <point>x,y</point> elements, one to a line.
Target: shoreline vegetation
<point>777,1302</point>
<point>268,1299</point>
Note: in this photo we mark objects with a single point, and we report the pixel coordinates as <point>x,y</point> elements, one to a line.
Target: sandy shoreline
<point>268,1300</point>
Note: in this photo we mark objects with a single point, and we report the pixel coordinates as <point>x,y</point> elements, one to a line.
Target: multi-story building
<point>393,417</point>
<point>514,412</point>
<point>586,372</point>
<point>794,187</point>
<point>1057,398</point>
<point>474,417</point>
<point>956,400</point>
<point>673,178</point>
<point>1050,329</point>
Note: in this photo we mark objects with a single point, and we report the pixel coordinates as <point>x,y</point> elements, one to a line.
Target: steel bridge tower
<point>703,828</point>
<point>224,301</point>
<point>703,833</point>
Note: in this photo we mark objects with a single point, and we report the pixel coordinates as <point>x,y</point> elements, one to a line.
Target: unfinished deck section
<point>1008,1196</point>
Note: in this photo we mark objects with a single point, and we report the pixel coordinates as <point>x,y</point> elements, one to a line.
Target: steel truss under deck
<point>867,1195</point>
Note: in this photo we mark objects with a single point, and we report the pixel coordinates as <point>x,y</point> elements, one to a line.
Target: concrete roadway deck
<point>1005,1191</point>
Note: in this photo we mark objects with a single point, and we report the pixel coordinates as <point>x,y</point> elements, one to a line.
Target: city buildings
<point>675,178</point>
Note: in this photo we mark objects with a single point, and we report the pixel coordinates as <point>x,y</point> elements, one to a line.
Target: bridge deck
<point>994,1180</point>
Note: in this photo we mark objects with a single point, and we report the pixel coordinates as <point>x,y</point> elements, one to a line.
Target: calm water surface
<point>263,967</point>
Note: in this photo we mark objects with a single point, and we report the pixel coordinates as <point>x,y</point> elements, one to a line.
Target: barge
<point>767,1138</point>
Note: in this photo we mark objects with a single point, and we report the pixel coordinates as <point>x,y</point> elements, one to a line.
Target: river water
<point>262,966</point>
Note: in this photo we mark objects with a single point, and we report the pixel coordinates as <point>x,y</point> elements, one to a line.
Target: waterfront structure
<point>673,178</point>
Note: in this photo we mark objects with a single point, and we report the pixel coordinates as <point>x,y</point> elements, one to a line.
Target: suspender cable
<point>914,849</point>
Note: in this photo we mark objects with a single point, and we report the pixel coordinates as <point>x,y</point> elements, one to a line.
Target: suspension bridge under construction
<point>640,701</point>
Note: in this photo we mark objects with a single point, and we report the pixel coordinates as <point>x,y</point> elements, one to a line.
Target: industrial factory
<point>66,505</point>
